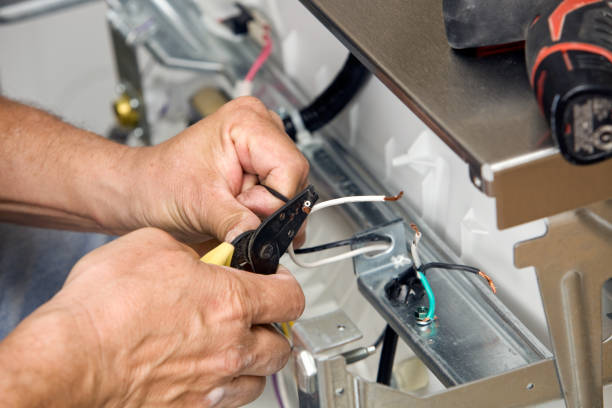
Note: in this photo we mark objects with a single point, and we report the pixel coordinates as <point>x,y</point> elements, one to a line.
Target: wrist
<point>44,362</point>
<point>107,187</point>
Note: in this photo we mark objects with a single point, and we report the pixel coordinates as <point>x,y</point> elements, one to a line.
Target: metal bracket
<point>473,337</point>
<point>325,332</point>
<point>572,262</point>
<point>323,381</point>
<point>481,355</point>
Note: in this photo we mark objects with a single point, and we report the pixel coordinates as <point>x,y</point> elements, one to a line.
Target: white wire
<point>346,200</point>
<point>349,254</point>
<point>337,258</point>
<point>414,250</point>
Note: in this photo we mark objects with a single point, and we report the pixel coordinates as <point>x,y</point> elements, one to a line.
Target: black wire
<point>380,338</point>
<point>441,265</point>
<point>343,242</point>
<point>276,193</point>
<point>387,355</point>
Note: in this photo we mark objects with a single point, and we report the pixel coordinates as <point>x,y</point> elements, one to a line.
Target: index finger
<point>273,298</point>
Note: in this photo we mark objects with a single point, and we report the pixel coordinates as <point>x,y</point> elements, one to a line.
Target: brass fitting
<point>126,111</point>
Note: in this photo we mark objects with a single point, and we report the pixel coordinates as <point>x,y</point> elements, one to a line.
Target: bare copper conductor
<point>394,198</point>
<point>489,281</point>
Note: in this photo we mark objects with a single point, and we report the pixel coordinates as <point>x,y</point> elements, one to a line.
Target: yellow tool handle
<point>220,255</point>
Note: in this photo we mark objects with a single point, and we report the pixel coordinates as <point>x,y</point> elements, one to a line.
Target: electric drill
<point>568,46</point>
<point>569,61</point>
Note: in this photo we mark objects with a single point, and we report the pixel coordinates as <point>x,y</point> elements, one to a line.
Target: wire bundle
<point>349,254</point>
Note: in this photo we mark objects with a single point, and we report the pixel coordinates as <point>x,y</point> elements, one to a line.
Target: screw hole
<point>339,391</point>
<point>341,327</point>
<point>530,386</point>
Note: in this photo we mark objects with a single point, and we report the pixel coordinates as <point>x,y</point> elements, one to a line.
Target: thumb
<point>228,218</point>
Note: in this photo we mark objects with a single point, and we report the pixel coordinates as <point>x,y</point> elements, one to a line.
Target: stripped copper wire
<point>489,280</point>
<point>394,198</point>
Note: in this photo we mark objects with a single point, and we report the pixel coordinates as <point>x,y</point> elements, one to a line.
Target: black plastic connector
<point>405,287</point>
<point>239,24</point>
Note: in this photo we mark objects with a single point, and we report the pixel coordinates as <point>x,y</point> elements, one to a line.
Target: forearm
<point>56,175</point>
<point>43,364</point>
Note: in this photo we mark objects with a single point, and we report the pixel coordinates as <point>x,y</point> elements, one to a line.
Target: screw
<point>307,203</point>
<point>530,386</point>
<point>290,233</point>
<point>266,251</point>
<point>421,316</point>
<point>339,391</point>
<point>341,327</point>
<point>281,216</point>
<point>421,312</point>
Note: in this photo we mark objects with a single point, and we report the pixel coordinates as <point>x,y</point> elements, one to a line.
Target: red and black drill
<point>568,47</point>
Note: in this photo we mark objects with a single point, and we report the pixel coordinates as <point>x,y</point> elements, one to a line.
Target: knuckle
<point>252,103</point>
<point>232,221</point>
<point>234,361</point>
<point>303,164</point>
<point>238,304</point>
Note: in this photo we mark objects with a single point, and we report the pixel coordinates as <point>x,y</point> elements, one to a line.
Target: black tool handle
<point>569,62</point>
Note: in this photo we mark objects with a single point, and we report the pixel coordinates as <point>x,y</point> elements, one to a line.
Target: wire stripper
<point>259,250</point>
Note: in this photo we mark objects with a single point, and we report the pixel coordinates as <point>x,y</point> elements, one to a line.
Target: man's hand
<point>205,180</point>
<point>202,182</point>
<point>142,322</point>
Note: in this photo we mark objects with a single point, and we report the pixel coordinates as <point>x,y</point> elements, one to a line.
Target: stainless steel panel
<point>482,107</point>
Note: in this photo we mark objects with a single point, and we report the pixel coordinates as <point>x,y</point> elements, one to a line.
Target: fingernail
<point>214,397</point>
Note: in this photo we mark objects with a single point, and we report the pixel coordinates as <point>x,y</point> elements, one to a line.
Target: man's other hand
<point>146,323</point>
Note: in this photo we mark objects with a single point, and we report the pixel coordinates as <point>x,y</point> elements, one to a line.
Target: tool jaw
<point>260,250</point>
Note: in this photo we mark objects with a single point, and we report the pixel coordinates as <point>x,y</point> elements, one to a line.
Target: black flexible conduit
<point>334,99</point>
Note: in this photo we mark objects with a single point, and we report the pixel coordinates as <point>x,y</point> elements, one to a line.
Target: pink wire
<point>261,59</point>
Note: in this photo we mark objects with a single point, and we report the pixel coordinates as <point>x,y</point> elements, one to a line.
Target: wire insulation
<point>465,268</point>
<point>337,258</point>
<point>261,59</point>
<point>368,238</point>
<point>354,199</point>
<point>431,312</point>
<point>276,387</point>
<point>354,252</point>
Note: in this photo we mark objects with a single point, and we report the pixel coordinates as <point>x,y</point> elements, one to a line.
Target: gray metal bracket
<point>572,262</point>
<point>323,380</point>
<point>473,336</point>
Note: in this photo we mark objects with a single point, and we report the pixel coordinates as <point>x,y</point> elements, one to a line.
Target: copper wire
<point>394,198</point>
<point>489,281</point>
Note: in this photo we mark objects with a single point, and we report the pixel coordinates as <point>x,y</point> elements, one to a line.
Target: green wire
<point>430,295</point>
